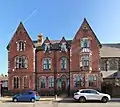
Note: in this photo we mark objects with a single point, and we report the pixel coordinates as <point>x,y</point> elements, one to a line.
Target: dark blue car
<point>26,96</point>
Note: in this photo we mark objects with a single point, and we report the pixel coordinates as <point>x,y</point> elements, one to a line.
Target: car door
<point>86,94</point>
<point>94,95</point>
<point>21,97</point>
<point>24,96</point>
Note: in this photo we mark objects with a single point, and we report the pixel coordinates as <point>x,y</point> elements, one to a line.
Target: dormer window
<point>47,47</point>
<point>63,47</point>
<point>85,43</point>
<point>20,46</point>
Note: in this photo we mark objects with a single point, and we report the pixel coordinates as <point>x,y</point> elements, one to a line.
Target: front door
<point>63,85</point>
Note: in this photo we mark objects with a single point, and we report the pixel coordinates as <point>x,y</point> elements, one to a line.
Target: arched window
<point>21,62</point>
<point>78,79</point>
<point>26,82</point>
<point>42,82</point>
<point>92,80</point>
<point>63,63</point>
<point>51,81</point>
<point>17,62</point>
<point>103,64</point>
<point>24,62</point>
<point>47,63</point>
<point>113,64</point>
<point>20,46</point>
<point>16,82</point>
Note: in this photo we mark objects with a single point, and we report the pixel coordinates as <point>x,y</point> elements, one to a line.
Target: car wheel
<point>32,100</point>
<point>15,99</point>
<point>104,99</point>
<point>82,100</point>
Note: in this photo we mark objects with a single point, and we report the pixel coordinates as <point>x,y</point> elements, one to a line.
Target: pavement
<point>5,99</point>
<point>58,102</point>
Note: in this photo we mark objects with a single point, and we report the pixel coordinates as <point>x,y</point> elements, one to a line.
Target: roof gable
<point>20,28</point>
<point>85,26</point>
<point>46,40</point>
<point>63,40</point>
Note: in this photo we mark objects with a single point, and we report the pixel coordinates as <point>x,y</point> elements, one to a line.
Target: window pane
<point>20,46</point>
<point>47,63</point>
<point>85,43</point>
<point>63,63</point>
<point>51,82</point>
<point>16,82</point>
<point>93,92</point>
<point>26,82</point>
<point>42,81</point>
<point>82,91</point>
<point>87,91</point>
<point>86,60</point>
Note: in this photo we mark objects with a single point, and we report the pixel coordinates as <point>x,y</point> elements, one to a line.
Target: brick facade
<point>49,65</point>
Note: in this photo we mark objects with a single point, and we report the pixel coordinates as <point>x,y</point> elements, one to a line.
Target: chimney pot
<point>40,38</point>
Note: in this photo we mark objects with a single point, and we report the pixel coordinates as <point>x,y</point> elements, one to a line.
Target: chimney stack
<point>40,38</point>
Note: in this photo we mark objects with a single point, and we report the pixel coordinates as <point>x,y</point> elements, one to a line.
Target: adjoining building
<point>110,68</point>
<point>54,66</point>
<point>3,85</point>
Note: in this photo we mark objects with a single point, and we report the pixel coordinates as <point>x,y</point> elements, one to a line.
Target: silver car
<point>90,94</point>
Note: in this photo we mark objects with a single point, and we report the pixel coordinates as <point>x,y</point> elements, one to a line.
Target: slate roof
<point>55,44</point>
<point>108,74</point>
<point>110,50</point>
<point>3,78</point>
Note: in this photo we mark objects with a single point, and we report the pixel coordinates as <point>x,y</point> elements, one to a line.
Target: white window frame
<point>17,84</point>
<point>92,80</point>
<point>78,78</point>
<point>85,61</point>
<point>63,47</point>
<point>21,62</point>
<point>63,60</point>
<point>85,41</point>
<point>42,79</point>
<point>51,81</point>
<point>47,47</point>
<point>21,45</point>
<point>47,63</point>
<point>24,82</point>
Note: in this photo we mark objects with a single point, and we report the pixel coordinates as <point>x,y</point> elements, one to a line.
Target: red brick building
<point>48,66</point>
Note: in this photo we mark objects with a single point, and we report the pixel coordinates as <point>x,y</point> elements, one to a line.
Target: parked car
<point>26,96</point>
<point>90,94</point>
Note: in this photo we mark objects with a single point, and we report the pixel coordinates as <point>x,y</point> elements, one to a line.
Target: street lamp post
<point>55,74</point>
<point>0,88</point>
<point>36,82</point>
<point>69,70</point>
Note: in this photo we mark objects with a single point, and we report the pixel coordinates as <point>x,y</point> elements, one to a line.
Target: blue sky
<point>57,18</point>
